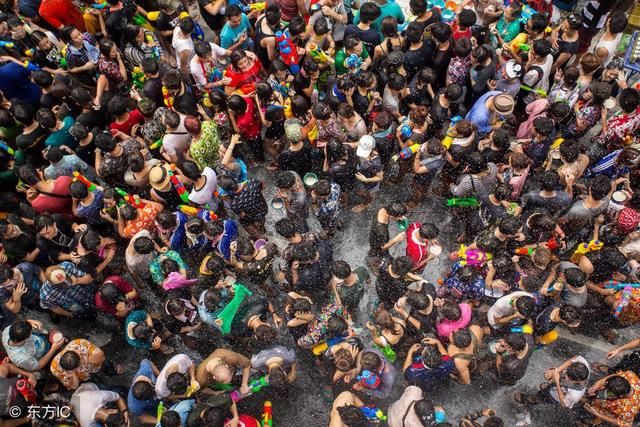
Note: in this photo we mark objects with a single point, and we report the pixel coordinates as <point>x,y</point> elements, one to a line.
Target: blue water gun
<point>620,286</point>
<point>353,61</point>
<point>373,413</point>
<point>215,75</point>
<point>98,6</point>
<point>197,33</point>
<point>8,45</point>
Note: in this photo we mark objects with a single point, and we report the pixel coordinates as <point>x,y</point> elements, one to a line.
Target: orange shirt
<point>624,410</point>
<point>144,221</point>
<point>85,350</point>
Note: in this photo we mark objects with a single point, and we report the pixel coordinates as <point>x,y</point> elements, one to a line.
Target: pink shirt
<point>445,327</point>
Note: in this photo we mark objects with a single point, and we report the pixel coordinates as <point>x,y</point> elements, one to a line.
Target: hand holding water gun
<point>448,138</point>
<point>524,329</point>
<point>319,55</point>
<point>625,298</point>
<point>254,386</point>
<point>138,77</point>
<point>473,257</point>
<point>407,153</point>
<point>90,185</point>
<point>98,6</point>
<point>179,186</point>
<point>132,200</point>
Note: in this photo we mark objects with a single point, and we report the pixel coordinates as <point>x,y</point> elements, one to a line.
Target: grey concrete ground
<point>306,405</point>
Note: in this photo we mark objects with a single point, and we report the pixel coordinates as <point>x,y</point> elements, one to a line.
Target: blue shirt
<point>230,35</point>
<point>428,378</point>
<point>183,408</point>
<point>142,407</point>
<point>479,114</point>
<point>15,83</point>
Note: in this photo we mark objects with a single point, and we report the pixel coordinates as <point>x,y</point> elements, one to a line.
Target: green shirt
<point>388,9</point>
<point>508,30</point>
<point>341,56</point>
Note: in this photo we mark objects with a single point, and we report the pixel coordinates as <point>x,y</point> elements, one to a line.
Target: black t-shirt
<point>60,243</point>
<point>513,369</point>
<point>297,161</point>
<point>153,89</point>
<point>91,119</point>
<point>168,22</point>
<point>415,60</point>
<point>50,59</point>
<point>87,153</point>
<point>186,104</point>
<point>378,237</point>
<point>33,141</point>
<point>49,101</point>
<point>492,156</point>
<point>441,60</point>
<point>18,247</point>
<point>215,22</point>
<point>301,82</point>
<point>360,104</point>
<point>370,38</point>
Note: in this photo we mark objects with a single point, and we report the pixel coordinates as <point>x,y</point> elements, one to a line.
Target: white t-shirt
<point>138,264</point>
<point>398,409</point>
<point>571,395</point>
<point>196,65</point>
<point>86,401</point>
<point>503,307</point>
<point>204,196</point>
<point>184,363</point>
<point>176,142</point>
<point>179,44</point>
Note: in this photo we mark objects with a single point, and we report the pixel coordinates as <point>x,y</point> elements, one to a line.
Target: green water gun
<point>541,92</point>
<point>463,201</point>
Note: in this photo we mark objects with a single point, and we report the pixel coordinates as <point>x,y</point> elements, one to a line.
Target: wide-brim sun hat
<point>503,104</point>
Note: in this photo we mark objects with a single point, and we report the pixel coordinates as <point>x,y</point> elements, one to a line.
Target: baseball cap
<point>366,144</point>
<point>512,69</point>
<point>503,104</point>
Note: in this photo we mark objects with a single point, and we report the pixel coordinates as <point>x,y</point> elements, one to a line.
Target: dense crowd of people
<point>138,141</point>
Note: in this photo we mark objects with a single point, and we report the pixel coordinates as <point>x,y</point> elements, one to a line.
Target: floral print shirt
<point>204,151</point>
<point>318,328</point>
<point>624,410</point>
<point>85,350</point>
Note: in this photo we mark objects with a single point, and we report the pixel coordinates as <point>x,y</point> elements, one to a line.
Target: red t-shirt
<point>58,200</point>
<point>61,12</point>
<point>122,285</point>
<point>249,123</point>
<point>241,78</point>
<point>135,117</point>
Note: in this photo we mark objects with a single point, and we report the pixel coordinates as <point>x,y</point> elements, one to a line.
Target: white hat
<point>366,144</point>
<point>512,69</point>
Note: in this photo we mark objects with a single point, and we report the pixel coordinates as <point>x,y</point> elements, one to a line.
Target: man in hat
<point>369,172</point>
<point>509,82</point>
<point>489,111</point>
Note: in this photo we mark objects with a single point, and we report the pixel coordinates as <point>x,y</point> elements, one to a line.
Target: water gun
<point>369,379</point>
<point>8,45</point>
<point>448,138</point>
<point>63,56</point>
<point>132,200</point>
<point>182,191</point>
<point>583,248</point>
<point>259,7</point>
<point>541,92</point>
<point>225,318</point>
<point>406,153</point>
<point>198,32</point>
<point>143,22</point>
<point>288,112</point>
<point>620,286</point>
<point>548,338</point>
<point>525,329</point>
<point>353,62</point>
<point>157,143</point>
<point>8,149</point>
<point>525,251</point>
<point>160,410</point>
<point>525,13</point>
<point>625,298</point>
<point>283,88</point>
<point>473,257</point>
<point>288,51</point>
<point>524,47</point>
<point>318,349</point>
<point>319,55</point>
<point>463,201</point>
<point>267,415</point>
<point>25,388</point>
<point>190,390</point>
<point>90,185</point>
<point>373,413</point>
<point>138,77</point>
<point>215,75</point>
<point>98,6</point>
<point>30,66</point>
<point>156,52</point>
<point>198,212</point>
<point>167,98</point>
<point>29,52</point>
<point>406,131</point>
<point>254,386</point>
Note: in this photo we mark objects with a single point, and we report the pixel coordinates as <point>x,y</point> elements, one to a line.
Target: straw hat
<point>159,177</point>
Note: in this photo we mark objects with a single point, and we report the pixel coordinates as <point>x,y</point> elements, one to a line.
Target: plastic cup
<point>277,203</point>
<point>402,224</point>
<point>55,336</point>
<point>310,179</point>
<point>619,196</point>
